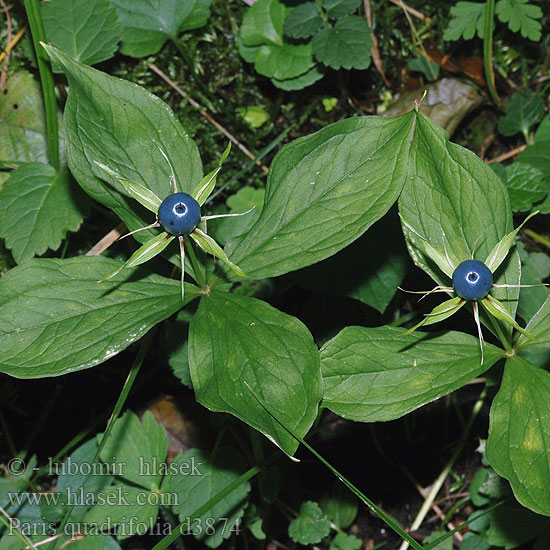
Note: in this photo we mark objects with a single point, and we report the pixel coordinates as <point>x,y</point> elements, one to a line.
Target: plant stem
<point>545,241</point>
<point>46,78</point>
<point>435,488</point>
<point>198,269</point>
<point>488,50</point>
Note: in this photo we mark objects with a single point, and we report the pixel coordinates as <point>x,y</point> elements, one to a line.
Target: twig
<point>375,52</point>
<point>228,135</point>
<point>412,11</point>
<point>4,71</point>
<point>13,43</point>
<point>509,154</point>
<point>106,241</point>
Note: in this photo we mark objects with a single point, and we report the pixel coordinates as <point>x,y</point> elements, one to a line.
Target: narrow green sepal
<point>442,260</point>
<point>138,191</point>
<point>144,253</point>
<point>497,309</point>
<point>439,313</point>
<point>501,249</point>
<point>207,184</point>
<point>210,246</point>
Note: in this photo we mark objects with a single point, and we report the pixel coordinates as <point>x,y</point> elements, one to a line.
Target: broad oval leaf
<point>378,374</point>
<point>263,23</point>
<point>56,318</point>
<point>237,340</point>
<point>519,433</point>
<point>538,327</point>
<point>86,30</point>
<point>39,206</point>
<point>122,126</point>
<point>324,191</point>
<point>456,203</point>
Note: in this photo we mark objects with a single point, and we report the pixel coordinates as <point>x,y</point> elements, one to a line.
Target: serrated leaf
<point>525,186</point>
<point>126,506</point>
<point>139,447</point>
<point>324,191</point>
<point>347,45</point>
<point>147,25</point>
<point>311,526</point>
<point>468,19</point>
<point>520,16</point>
<point>378,374</point>
<point>39,206</point>
<point>523,110</point>
<point>207,476</point>
<point>519,433</point>
<point>55,318</point>
<point>303,21</point>
<point>23,122</point>
<point>86,30</point>
<point>236,340</point>
<point>342,541</point>
<point>121,125</point>
<point>284,61</point>
<point>340,8</point>
<point>300,82</point>
<point>263,23</point>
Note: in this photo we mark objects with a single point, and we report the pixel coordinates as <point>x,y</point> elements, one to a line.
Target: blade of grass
<point>386,518</point>
<point>46,78</point>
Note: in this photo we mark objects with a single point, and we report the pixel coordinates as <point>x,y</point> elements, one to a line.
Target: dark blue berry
<point>179,214</point>
<point>472,280</point>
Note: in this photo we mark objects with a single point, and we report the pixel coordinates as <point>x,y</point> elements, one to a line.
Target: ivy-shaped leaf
<point>39,206</point>
<point>86,30</point>
<point>523,110</point>
<point>347,44</point>
<point>521,16</point>
<point>467,21</point>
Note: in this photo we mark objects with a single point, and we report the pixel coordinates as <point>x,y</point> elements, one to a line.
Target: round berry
<point>472,280</point>
<point>179,214</point>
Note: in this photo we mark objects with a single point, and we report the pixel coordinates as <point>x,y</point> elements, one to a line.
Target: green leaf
<point>511,526</point>
<point>446,544</point>
<point>538,327</point>
<point>439,313</point>
<point>143,254</point>
<point>342,541</point>
<point>303,21</point>
<point>340,505</point>
<point>235,340</point>
<point>346,45</point>
<point>543,131</point>
<point>263,23</point>
<point>324,191</point>
<point>340,8</point>
<point>39,206</point>
<point>433,208</point>
<point>311,526</point>
<point>531,299</point>
<point>139,448</point>
<point>497,309</point>
<point>379,261</point>
<point>130,508</point>
<point>55,318</point>
<point>86,30</point>
<point>300,82</point>
<point>284,61</point>
<point>121,126</point>
<point>538,156</point>
<point>207,184</point>
<point>147,25</point>
<point>523,110</point>
<point>255,116</point>
<point>519,433</point>
<point>423,65</point>
<point>378,374</point>
<point>207,475</point>
<point>22,121</point>
<point>468,19</point>
<point>520,16</point>
<point>525,186</point>
<point>198,17</point>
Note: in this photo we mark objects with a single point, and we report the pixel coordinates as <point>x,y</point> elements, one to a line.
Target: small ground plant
<point>343,200</point>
